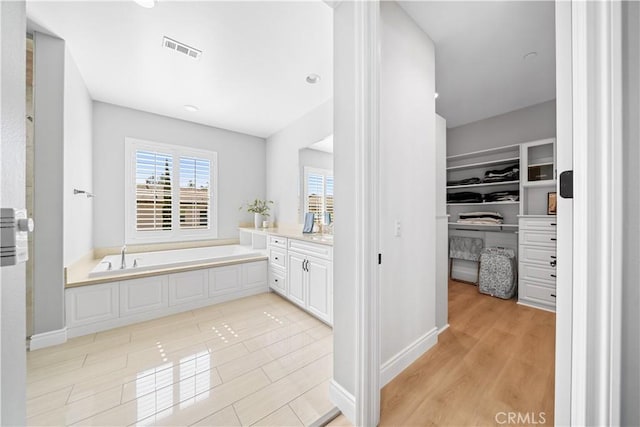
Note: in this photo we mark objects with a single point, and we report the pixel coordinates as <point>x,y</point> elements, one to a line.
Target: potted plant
<point>260,209</point>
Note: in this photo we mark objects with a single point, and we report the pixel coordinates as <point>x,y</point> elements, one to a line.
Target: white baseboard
<point>344,400</point>
<point>48,339</point>
<point>398,363</point>
<point>444,328</point>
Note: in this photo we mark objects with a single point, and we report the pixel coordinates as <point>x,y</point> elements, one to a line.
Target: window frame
<point>318,171</point>
<point>175,234</point>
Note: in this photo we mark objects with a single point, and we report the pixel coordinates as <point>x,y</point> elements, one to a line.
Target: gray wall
<point>407,187</point>
<point>282,160</point>
<point>78,210</point>
<point>241,166</point>
<point>48,200</point>
<point>527,124</point>
<point>630,393</point>
<point>12,189</point>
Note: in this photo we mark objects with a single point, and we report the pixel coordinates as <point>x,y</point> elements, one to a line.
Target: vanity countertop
<point>293,233</point>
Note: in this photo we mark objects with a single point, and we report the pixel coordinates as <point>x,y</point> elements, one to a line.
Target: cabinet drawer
<point>315,249</point>
<point>278,258</point>
<point>543,224</point>
<point>537,255</point>
<point>278,242</point>
<point>537,292</point>
<point>538,238</point>
<point>538,273</point>
<point>277,281</point>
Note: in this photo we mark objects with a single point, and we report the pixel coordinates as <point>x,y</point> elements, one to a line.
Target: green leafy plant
<point>259,206</point>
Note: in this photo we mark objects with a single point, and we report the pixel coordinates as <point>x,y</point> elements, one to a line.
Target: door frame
<point>588,322</point>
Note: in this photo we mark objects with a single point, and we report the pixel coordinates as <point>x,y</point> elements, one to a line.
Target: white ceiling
<point>250,78</point>
<point>480,70</point>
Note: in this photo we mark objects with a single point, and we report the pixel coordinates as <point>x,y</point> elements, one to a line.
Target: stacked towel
<point>464,197</point>
<point>510,173</point>
<point>480,218</point>
<point>502,196</point>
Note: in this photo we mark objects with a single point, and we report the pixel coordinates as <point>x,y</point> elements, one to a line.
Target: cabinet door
<point>319,288</point>
<point>224,280</point>
<point>188,286</point>
<point>142,295</point>
<point>297,278</point>
<point>90,304</point>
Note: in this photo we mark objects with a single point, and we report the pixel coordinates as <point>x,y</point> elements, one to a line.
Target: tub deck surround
<point>290,232</point>
<point>78,273</point>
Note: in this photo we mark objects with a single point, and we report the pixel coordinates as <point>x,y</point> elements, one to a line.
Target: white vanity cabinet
<point>310,278</point>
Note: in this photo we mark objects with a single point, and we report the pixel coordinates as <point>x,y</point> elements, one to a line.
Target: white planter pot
<point>257,220</point>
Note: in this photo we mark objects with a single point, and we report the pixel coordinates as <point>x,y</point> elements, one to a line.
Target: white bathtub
<point>147,261</point>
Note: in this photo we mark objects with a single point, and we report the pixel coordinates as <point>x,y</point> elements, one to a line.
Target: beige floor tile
<point>208,403</point>
<point>263,402</point>
<point>289,345</point>
<point>243,364</point>
<point>48,402</point>
<point>226,417</point>
<point>313,404</point>
<point>158,355</point>
<point>228,354</point>
<point>283,417</point>
<point>36,373</point>
<point>76,411</point>
<point>320,331</point>
<point>185,383</point>
<point>270,337</point>
<point>292,361</point>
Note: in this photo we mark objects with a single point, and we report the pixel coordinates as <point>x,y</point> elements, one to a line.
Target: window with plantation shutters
<point>195,175</point>
<point>169,192</point>
<point>154,176</point>
<point>318,186</point>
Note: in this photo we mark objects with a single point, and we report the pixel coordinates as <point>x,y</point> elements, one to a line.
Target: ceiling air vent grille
<point>175,45</point>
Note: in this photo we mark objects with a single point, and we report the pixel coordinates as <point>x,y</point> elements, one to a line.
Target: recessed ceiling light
<point>313,79</point>
<point>146,3</point>
<point>436,95</point>
<point>530,55</point>
<point>191,108</point>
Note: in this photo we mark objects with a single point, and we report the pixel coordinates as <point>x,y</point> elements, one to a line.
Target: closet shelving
<point>474,165</point>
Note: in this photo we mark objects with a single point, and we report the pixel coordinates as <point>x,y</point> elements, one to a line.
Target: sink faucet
<point>123,251</point>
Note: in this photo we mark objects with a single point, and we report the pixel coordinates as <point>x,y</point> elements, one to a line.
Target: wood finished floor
<point>254,361</point>
<point>495,357</point>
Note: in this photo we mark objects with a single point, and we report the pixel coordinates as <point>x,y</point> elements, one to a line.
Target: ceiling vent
<point>175,45</point>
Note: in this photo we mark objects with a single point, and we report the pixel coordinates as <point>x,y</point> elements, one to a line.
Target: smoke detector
<point>177,46</point>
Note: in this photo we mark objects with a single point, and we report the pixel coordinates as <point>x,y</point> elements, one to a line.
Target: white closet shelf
<point>484,225</point>
<point>544,183</point>
<point>515,160</point>
<point>484,184</point>
<point>491,151</point>
<point>483,203</point>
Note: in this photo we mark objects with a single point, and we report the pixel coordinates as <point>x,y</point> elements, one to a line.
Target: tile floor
<point>254,361</point>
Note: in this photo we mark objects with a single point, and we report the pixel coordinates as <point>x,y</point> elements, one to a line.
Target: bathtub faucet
<point>123,251</point>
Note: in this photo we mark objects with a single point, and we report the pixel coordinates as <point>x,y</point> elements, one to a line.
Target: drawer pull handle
<point>553,295</point>
<point>552,263</point>
<point>553,257</point>
<point>276,258</point>
<point>553,223</point>
<point>552,275</point>
<point>553,239</point>
<point>276,280</point>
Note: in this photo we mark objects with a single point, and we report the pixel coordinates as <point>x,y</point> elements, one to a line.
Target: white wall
<point>282,160</point>
<point>48,199</point>
<point>241,166</point>
<point>630,388</point>
<point>12,189</point>
<point>442,227</point>
<point>527,124</point>
<point>344,244</point>
<point>78,210</point>
<point>408,189</point>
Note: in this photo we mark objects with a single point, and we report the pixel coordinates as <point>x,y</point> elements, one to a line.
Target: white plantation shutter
<point>195,177</point>
<point>318,192</point>
<point>170,192</point>
<point>153,194</point>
